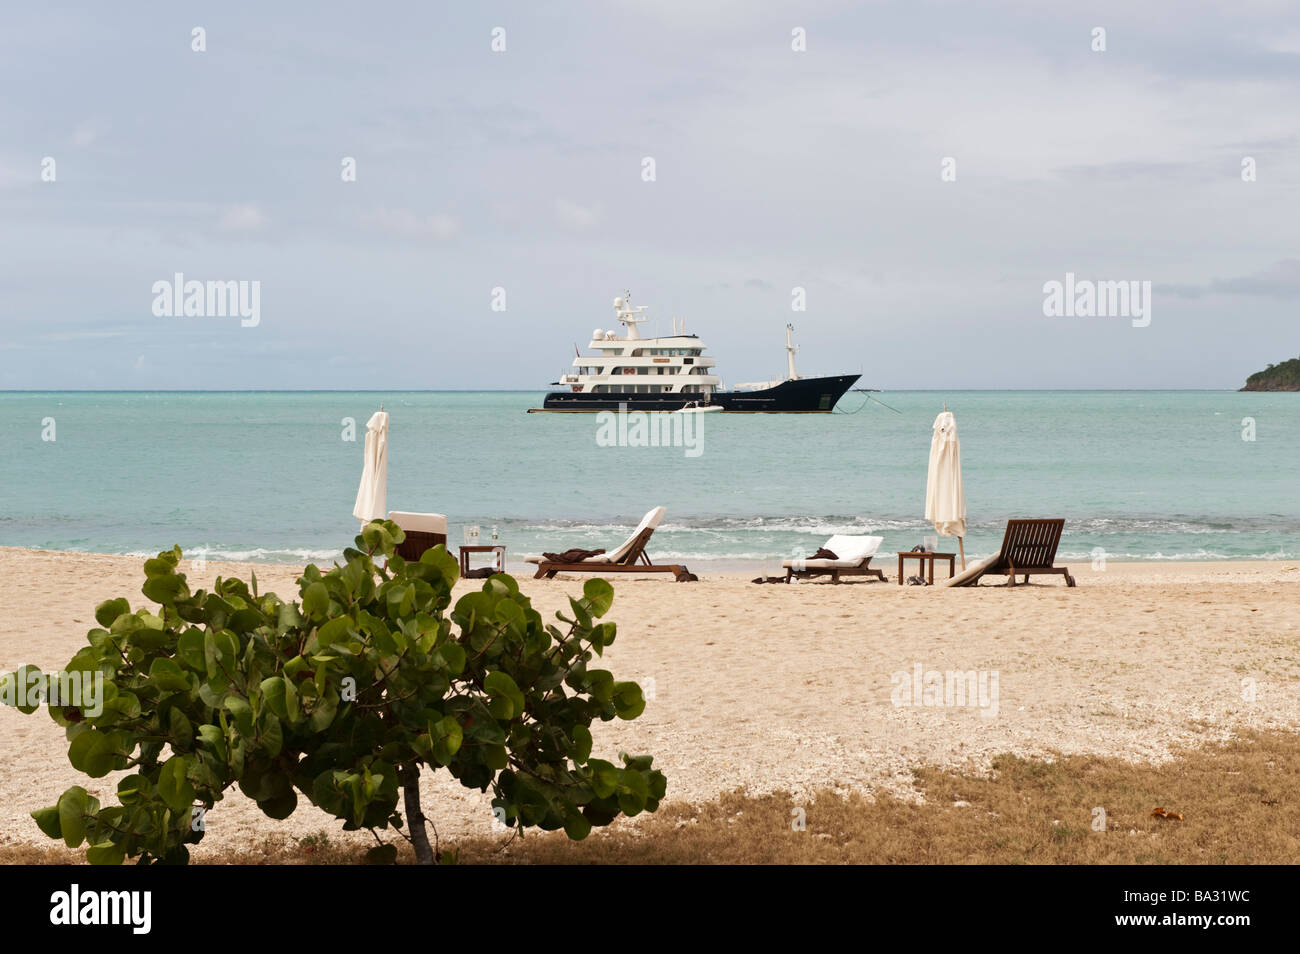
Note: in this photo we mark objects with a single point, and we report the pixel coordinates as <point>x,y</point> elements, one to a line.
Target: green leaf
<point>274,689</point>
<point>173,787</point>
<point>382,855</point>
<point>604,778</point>
<point>495,757</point>
<point>444,562</point>
<point>182,730</point>
<point>132,788</point>
<point>507,700</point>
<point>581,750</point>
<point>189,650</point>
<point>602,684</point>
<point>628,700</point>
<point>325,710</point>
<point>47,820</point>
<point>92,752</point>
<point>242,713</point>
<point>166,675</point>
<point>72,806</point>
<point>599,594</point>
<point>28,680</point>
<point>272,734</point>
<point>316,600</point>
<point>106,853</point>
<point>215,738</point>
<point>337,628</point>
<point>632,793</point>
<point>109,610</point>
<point>445,737</point>
<point>450,656</point>
<point>166,590</point>
<point>577,827</point>
<point>279,807</point>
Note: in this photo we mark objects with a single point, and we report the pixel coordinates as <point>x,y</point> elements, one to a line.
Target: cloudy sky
<point>523,170</point>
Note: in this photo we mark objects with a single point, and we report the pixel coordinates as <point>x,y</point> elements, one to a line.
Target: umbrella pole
<point>961,545</point>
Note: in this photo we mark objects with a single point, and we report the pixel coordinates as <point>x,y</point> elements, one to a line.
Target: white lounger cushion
<point>648,522</point>
<point>851,551</point>
<point>420,522</point>
<point>972,571</point>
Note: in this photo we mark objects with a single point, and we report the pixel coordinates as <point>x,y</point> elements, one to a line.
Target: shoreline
<point>1281,569</point>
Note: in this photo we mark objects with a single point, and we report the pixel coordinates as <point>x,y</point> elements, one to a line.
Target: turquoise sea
<point>267,476</point>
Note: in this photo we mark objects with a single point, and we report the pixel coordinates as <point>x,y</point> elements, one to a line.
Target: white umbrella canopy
<point>945,500</point>
<point>372,495</point>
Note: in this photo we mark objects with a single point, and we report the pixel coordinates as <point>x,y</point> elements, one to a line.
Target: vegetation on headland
<point>1239,802</point>
<point>1276,377</point>
<point>341,698</point>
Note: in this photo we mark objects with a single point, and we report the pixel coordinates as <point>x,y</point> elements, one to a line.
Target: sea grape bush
<point>341,697</point>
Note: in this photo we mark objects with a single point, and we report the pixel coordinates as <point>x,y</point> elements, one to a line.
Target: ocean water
<point>1142,475</point>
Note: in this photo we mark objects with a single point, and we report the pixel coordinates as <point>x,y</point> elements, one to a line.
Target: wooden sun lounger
<point>862,569</point>
<point>632,559</point>
<point>857,548</point>
<point>1028,548</point>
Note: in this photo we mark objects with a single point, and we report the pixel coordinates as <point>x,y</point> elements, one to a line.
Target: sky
<point>919,169</point>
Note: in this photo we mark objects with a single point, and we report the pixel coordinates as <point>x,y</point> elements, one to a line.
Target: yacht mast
<point>790,349</point>
<point>629,316</point>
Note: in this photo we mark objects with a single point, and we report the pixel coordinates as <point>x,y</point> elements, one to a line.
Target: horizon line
<point>543,390</point>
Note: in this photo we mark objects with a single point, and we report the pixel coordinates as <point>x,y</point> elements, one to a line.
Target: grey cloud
<point>1279,280</point>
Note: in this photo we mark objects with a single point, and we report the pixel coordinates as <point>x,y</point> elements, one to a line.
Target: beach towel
<point>575,555</point>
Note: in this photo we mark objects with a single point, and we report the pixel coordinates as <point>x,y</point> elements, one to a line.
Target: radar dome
<point>618,302</point>
<point>596,334</point>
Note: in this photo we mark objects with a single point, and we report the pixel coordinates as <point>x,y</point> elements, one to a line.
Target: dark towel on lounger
<point>571,556</point>
<point>824,554</point>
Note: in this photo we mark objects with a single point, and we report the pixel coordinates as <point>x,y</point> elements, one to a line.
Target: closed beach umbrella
<point>372,495</point>
<point>945,501</point>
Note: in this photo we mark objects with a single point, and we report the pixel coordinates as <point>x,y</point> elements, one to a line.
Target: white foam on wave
<point>250,555</point>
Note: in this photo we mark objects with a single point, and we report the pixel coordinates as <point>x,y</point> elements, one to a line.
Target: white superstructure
<point>630,364</point>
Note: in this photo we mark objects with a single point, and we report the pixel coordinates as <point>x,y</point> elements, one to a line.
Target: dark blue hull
<point>804,396</point>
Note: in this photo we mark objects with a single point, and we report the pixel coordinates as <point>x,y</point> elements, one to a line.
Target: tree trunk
<point>414,817</point>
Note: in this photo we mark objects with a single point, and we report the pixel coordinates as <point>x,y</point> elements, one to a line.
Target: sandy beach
<point>793,688</point>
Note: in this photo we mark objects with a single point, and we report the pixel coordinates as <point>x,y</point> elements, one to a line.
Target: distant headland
<point>1276,377</point>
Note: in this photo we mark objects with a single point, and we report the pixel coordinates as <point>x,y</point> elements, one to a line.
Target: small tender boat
<point>696,407</point>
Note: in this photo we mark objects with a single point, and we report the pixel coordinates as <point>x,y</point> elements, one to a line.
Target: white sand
<point>789,687</point>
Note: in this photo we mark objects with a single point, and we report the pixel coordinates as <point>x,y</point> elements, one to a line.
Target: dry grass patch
<point>1240,803</point>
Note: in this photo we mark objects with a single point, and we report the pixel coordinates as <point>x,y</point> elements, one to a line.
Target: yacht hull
<point>800,396</point>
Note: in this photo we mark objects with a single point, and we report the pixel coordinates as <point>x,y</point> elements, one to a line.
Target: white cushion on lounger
<point>648,522</point>
<point>538,558</point>
<point>851,551</point>
<point>972,571</point>
<point>420,522</point>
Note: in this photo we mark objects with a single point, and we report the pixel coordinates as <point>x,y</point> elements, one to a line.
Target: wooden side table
<point>499,549</point>
<point>922,558</point>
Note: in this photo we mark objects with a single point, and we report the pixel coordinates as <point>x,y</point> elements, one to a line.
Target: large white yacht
<point>669,373</point>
